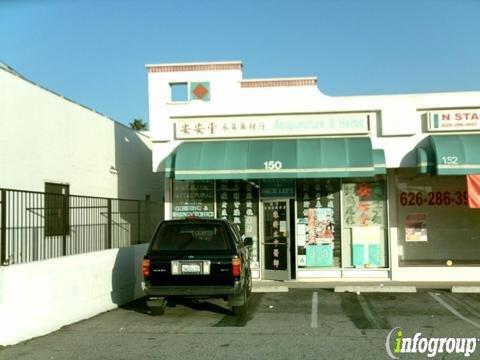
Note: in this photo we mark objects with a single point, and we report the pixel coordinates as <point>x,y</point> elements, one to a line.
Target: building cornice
<point>209,66</point>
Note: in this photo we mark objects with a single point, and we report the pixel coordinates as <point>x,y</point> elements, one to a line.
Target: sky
<point>94,51</point>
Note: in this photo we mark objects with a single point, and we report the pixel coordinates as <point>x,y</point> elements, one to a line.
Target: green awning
<point>263,159</point>
<point>425,160</point>
<point>379,162</point>
<point>450,155</point>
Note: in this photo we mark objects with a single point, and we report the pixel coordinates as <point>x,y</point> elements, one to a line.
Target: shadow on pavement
<point>228,320</point>
<point>362,313</point>
<point>236,321</point>
<point>140,306</point>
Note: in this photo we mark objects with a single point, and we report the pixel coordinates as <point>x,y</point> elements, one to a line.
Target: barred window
<point>57,209</point>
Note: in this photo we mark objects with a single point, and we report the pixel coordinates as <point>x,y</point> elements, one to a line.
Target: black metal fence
<point>36,226</point>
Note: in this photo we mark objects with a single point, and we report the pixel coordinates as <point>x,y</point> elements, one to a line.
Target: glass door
<point>276,240</point>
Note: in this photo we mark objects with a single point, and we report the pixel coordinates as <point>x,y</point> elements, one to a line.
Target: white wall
<point>41,297</point>
<point>46,138</point>
<point>223,86</point>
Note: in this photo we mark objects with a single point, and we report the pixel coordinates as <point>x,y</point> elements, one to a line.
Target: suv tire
<point>241,310</point>
<point>249,283</point>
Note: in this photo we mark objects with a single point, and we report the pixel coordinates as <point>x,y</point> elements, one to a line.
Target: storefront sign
<point>193,198</point>
<point>454,120</point>
<point>416,227</point>
<point>269,125</point>
<point>275,188</point>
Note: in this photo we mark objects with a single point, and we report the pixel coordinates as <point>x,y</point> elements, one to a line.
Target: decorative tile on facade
<point>278,83</point>
<point>200,91</point>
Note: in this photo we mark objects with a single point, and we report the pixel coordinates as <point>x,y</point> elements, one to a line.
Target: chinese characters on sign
<point>252,126</point>
<point>275,228</point>
<point>364,204</point>
<point>237,201</point>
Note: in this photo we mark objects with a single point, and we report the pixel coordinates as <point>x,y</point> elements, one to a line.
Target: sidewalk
<point>364,285</point>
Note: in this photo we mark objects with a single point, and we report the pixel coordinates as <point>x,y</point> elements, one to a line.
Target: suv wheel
<point>249,283</point>
<point>241,310</point>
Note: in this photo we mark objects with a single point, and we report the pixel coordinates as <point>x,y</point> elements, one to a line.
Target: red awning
<point>473,186</point>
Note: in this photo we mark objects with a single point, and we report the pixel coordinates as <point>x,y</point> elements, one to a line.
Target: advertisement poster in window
<point>364,204</point>
<point>366,246</point>
<point>416,227</point>
<point>317,240</point>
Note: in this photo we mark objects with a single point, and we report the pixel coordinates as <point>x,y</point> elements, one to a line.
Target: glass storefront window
<point>193,197</point>
<point>237,201</point>
<point>318,223</point>
<point>364,224</point>
<point>436,226</point>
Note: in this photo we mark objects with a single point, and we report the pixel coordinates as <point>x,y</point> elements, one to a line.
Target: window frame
<point>57,209</point>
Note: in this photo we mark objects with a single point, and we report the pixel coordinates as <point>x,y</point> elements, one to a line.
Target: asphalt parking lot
<point>299,324</point>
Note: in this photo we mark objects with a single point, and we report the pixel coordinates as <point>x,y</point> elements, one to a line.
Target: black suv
<point>197,258</point>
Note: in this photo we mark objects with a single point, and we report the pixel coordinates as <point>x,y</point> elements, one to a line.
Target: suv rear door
<point>191,253</point>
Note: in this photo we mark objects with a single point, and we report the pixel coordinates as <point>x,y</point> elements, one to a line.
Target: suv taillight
<point>236,266</point>
<point>146,268</point>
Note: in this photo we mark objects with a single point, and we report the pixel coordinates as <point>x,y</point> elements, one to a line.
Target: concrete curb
<point>465,289</point>
<point>377,289</point>
<point>269,289</point>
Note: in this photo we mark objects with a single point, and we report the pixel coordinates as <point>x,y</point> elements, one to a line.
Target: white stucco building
<point>47,138</point>
<point>65,255</point>
<point>328,187</point>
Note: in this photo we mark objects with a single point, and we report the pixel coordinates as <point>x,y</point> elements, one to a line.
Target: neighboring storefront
<point>438,228</point>
<point>360,187</point>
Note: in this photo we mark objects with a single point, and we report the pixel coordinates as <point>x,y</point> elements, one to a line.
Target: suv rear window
<point>191,236</point>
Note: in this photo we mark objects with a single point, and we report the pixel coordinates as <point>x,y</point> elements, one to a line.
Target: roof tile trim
<point>278,83</point>
<point>195,67</point>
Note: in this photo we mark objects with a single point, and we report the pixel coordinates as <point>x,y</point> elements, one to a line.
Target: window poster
<point>194,197</point>
<point>237,201</point>
<point>416,227</point>
<point>317,218</point>
<point>364,203</point>
<point>366,246</point>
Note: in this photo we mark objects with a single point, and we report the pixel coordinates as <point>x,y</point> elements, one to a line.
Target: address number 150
<point>272,165</point>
